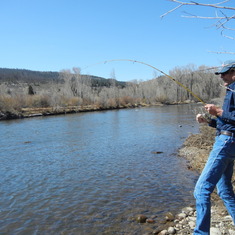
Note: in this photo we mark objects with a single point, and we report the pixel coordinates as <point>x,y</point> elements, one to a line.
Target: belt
<point>227,133</point>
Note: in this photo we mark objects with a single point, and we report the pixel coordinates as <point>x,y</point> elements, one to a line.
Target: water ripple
<point>90,173</point>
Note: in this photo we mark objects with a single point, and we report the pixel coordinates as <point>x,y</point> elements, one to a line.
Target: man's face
<point>228,77</point>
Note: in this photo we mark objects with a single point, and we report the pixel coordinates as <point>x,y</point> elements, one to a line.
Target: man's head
<point>227,72</point>
<point>226,67</point>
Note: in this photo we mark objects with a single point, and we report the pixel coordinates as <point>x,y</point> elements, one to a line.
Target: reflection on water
<point>90,173</point>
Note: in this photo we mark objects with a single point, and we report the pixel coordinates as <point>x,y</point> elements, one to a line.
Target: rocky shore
<point>184,222</point>
<point>195,149</point>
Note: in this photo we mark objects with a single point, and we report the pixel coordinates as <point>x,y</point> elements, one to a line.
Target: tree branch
<point>222,52</point>
<point>215,5</point>
<point>221,19</point>
<point>171,11</point>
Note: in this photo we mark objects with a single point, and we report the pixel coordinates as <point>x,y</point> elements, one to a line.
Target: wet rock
<point>185,222</point>
<point>141,218</point>
<point>153,216</point>
<point>156,231</point>
<point>150,221</point>
<point>169,216</point>
<point>27,142</point>
<point>157,152</point>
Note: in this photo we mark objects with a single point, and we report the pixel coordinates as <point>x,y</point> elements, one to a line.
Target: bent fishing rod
<point>167,75</point>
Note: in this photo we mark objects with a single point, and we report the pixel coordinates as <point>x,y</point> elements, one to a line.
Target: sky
<point>53,35</point>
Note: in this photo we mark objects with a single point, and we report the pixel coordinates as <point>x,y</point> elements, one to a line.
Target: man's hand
<point>201,119</point>
<point>213,110</point>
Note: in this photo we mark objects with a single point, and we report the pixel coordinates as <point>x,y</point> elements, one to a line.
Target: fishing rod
<point>167,75</point>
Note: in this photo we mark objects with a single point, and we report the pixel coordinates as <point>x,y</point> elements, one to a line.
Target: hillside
<point>28,76</point>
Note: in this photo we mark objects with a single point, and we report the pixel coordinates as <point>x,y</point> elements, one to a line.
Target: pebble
<point>181,216</point>
<point>231,232</point>
<point>185,222</point>
<point>141,218</point>
<point>215,231</point>
<point>192,224</point>
<point>171,230</point>
<point>150,221</point>
<point>169,216</point>
<point>163,232</point>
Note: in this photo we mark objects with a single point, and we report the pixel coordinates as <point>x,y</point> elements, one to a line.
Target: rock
<point>150,221</point>
<point>171,230</point>
<point>156,152</point>
<point>163,232</point>
<point>156,231</point>
<point>27,142</point>
<point>192,224</point>
<point>141,218</point>
<point>169,216</point>
<point>188,210</point>
<point>181,216</point>
<point>153,216</point>
<point>215,231</point>
<point>192,218</point>
<point>231,232</point>
<point>179,226</point>
<point>228,218</point>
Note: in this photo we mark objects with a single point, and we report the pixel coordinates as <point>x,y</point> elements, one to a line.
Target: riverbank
<point>58,110</point>
<point>48,111</point>
<point>195,149</point>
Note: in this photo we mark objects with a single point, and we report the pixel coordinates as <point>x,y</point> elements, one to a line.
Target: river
<point>92,173</point>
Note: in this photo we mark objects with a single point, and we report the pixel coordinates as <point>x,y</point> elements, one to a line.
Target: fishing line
<point>167,75</point>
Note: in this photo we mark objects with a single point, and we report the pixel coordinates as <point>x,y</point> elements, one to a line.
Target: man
<point>219,167</point>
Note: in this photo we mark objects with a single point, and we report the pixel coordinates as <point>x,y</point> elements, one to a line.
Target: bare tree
<point>223,17</point>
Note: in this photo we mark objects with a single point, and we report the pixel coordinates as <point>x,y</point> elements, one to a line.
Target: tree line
<point>71,88</point>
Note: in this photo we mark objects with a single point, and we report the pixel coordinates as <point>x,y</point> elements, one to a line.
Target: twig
<point>171,11</point>
<point>215,5</point>
<point>222,52</point>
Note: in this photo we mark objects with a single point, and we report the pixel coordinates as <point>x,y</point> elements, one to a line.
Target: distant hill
<point>28,76</point>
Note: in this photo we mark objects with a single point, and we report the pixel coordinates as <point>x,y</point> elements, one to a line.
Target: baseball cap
<point>226,66</point>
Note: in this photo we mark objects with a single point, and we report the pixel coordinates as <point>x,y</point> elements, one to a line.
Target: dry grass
<point>197,147</point>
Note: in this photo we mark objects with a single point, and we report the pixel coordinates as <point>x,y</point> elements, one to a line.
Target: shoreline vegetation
<point>25,93</point>
<point>49,111</point>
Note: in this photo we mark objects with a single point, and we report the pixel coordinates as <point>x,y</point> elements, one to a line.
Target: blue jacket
<point>227,120</point>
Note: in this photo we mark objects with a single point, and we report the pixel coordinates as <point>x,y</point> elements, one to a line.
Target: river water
<point>91,173</point>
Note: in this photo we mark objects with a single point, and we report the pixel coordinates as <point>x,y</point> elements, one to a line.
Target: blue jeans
<point>218,173</point>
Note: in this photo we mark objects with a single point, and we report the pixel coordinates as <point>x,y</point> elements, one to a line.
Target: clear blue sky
<point>51,35</point>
